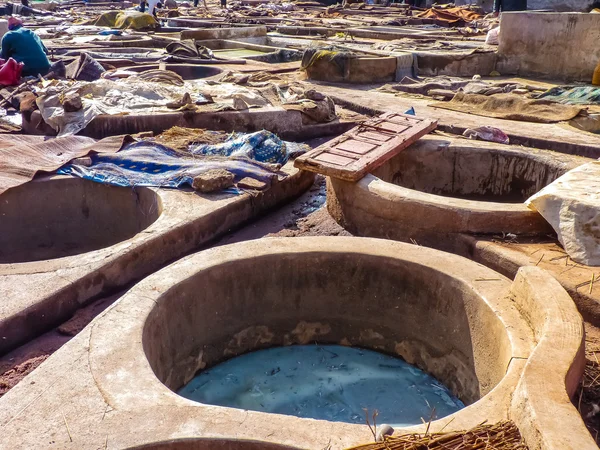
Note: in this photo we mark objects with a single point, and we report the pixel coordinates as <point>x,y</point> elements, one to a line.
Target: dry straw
<point>499,436</point>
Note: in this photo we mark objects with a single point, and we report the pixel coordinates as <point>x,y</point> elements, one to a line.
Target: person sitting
<point>509,5</point>
<point>23,45</point>
<point>152,5</point>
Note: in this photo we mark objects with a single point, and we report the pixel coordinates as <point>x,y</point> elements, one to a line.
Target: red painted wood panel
<point>365,147</point>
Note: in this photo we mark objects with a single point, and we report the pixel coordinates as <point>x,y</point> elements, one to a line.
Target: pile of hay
<point>500,436</point>
<point>180,138</point>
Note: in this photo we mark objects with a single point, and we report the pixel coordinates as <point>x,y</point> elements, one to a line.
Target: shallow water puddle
<point>328,382</point>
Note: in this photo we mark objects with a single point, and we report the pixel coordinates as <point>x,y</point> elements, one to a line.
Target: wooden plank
<point>355,153</point>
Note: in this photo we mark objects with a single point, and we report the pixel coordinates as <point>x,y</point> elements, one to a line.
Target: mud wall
<point>549,45</point>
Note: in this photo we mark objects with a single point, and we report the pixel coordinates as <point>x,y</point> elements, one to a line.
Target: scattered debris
<point>487,133</point>
<point>500,436</point>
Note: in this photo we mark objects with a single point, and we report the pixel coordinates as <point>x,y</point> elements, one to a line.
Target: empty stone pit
<point>185,71</point>
<point>439,187</point>
<point>472,173</point>
<point>211,444</point>
<point>63,216</point>
<point>352,68</point>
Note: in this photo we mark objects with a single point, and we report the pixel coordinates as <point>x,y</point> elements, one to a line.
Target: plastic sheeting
<point>151,164</point>
<point>134,20</point>
<point>262,146</point>
<point>571,204</point>
<point>103,97</point>
<point>10,72</point>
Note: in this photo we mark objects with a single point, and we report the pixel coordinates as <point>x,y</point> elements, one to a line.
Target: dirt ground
<point>588,397</point>
<point>16,365</point>
<point>306,216</point>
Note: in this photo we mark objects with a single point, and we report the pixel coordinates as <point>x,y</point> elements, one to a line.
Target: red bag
<point>10,73</point>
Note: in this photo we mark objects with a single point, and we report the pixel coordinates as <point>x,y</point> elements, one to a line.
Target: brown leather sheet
<point>452,16</point>
<point>22,156</point>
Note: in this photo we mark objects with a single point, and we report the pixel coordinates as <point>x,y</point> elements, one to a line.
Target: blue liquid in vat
<point>329,382</point>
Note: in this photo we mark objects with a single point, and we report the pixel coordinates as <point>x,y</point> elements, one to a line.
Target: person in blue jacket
<point>23,45</point>
<point>509,5</point>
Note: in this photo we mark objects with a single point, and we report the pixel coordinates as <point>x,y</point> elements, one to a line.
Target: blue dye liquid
<point>329,382</point>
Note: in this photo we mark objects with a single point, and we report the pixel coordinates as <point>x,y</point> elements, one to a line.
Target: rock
<point>72,102</point>
<point>213,180</point>
<point>85,161</point>
<point>311,94</point>
<point>186,99</point>
<point>382,431</point>
<point>239,104</point>
<point>251,183</point>
<point>571,204</point>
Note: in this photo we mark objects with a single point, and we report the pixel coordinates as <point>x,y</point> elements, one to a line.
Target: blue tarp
<point>151,164</point>
<point>262,146</point>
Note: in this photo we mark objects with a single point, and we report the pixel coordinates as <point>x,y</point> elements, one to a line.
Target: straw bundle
<point>180,138</point>
<point>500,436</point>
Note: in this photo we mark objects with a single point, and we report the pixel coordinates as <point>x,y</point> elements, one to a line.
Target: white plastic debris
<point>492,37</point>
<point>571,204</point>
<point>383,431</point>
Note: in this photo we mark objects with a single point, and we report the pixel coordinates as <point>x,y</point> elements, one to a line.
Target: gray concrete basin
<point>439,187</point>
<point>61,217</point>
<point>65,241</point>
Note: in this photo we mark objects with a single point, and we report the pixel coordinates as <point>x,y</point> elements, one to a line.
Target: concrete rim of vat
<point>377,207</point>
<point>61,216</point>
<point>39,295</point>
<point>138,337</point>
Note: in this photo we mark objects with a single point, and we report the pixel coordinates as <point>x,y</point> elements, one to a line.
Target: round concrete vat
<point>352,69</point>
<point>185,71</point>
<point>448,316</point>
<point>400,307</point>
<point>437,188</point>
<point>65,216</point>
<point>491,340</point>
